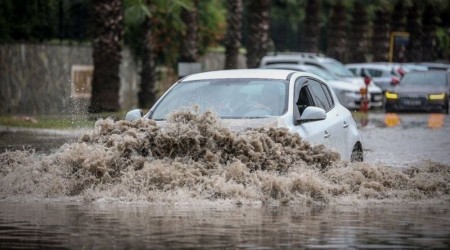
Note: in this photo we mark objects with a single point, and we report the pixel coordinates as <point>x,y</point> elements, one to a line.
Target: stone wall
<point>35,78</point>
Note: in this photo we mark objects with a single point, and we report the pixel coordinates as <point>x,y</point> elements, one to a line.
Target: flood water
<point>69,198</point>
<point>121,226</point>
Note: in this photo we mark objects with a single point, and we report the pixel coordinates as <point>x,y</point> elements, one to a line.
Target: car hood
<point>423,89</point>
<point>359,82</point>
<point>242,124</point>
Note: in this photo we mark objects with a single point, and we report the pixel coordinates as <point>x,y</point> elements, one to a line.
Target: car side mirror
<point>134,115</point>
<point>311,114</point>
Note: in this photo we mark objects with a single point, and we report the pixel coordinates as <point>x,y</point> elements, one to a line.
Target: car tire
<point>357,153</point>
<point>389,110</point>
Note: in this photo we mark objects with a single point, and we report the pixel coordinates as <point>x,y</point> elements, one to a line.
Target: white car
<point>384,75</point>
<point>302,102</point>
<point>348,92</point>
<point>332,66</point>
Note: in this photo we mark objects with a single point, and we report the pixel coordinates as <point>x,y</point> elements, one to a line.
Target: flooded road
<point>416,137</point>
<point>41,140</point>
<point>143,226</point>
<point>102,193</point>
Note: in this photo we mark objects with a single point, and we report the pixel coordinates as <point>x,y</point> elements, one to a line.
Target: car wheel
<point>389,109</point>
<point>357,153</point>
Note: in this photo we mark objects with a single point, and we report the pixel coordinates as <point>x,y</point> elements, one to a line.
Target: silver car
<point>384,75</point>
<point>348,92</point>
<point>332,66</point>
<point>302,102</point>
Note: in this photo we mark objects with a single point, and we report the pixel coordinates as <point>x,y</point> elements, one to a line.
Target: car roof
<point>380,66</point>
<point>276,74</point>
<point>295,57</point>
<point>429,72</point>
<point>286,66</point>
<point>434,65</point>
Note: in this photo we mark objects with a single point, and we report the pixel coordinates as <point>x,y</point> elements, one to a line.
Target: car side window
<point>353,70</point>
<point>318,93</point>
<point>375,72</point>
<point>314,64</point>
<point>305,99</point>
<point>328,94</point>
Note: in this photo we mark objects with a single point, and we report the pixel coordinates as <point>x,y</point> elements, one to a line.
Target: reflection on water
<point>102,225</point>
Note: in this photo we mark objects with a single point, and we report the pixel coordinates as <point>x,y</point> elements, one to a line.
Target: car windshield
<point>229,98</point>
<point>425,78</point>
<point>338,69</point>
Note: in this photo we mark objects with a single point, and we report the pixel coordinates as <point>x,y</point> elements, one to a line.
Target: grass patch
<point>47,122</point>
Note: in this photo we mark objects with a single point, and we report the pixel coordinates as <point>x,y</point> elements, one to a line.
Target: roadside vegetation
<point>56,122</point>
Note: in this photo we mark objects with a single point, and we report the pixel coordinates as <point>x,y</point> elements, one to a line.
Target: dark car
<point>424,91</point>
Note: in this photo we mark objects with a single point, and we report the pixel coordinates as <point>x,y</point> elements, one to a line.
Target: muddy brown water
<point>196,184</point>
<point>144,226</point>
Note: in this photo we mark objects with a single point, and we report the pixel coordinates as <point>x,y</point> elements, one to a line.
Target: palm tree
<point>430,22</point>
<point>380,39</point>
<point>189,42</point>
<point>414,50</point>
<point>233,36</point>
<point>107,37</point>
<point>337,39</point>
<point>312,21</point>
<point>258,31</point>
<point>359,42</point>
<point>399,17</point>
<point>143,15</point>
<point>138,17</point>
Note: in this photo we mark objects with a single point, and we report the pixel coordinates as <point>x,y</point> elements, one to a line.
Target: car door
<point>336,124</point>
<point>316,132</point>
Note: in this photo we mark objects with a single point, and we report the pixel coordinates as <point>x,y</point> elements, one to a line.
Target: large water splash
<point>194,158</point>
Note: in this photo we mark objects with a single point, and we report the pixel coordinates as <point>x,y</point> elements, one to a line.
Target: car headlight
<point>391,95</point>
<point>440,96</point>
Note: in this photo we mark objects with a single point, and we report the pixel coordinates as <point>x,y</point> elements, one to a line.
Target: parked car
<point>420,91</point>
<point>434,65</point>
<point>348,93</point>
<point>411,67</point>
<point>302,102</point>
<point>332,66</point>
<point>384,75</point>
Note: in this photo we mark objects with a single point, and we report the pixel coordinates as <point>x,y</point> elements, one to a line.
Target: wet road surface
<point>136,226</point>
<point>73,223</point>
<point>396,140</point>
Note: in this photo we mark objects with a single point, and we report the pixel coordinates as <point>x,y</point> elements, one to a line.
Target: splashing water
<point>195,158</point>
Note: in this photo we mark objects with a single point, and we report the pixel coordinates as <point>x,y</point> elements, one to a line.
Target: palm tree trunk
<point>430,22</point>
<point>380,39</point>
<point>312,30</point>
<point>233,36</point>
<point>414,50</point>
<point>107,31</point>
<point>337,35</point>
<point>146,95</point>
<point>189,43</point>
<point>359,42</point>
<point>258,33</point>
